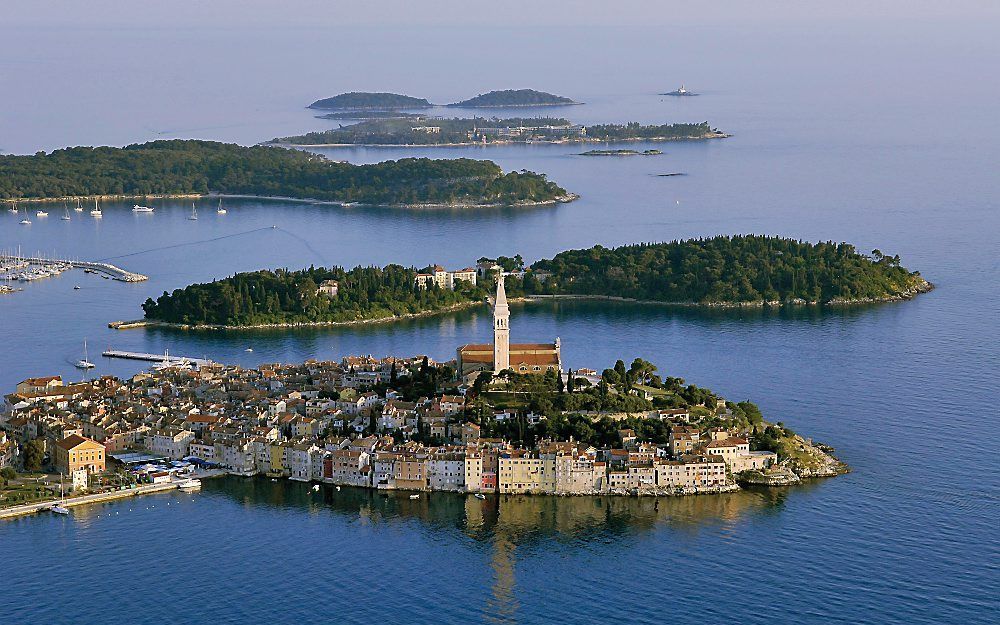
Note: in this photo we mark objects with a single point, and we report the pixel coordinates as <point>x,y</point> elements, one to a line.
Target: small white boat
<point>79,207</point>
<point>189,484</point>
<point>480,496</point>
<point>141,209</point>
<point>220,210</point>
<point>59,509</point>
<point>76,288</point>
<point>41,214</point>
<point>66,216</point>
<point>13,207</point>
<point>194,213</point>
<point>85,363</point>
<point>96,212</point>
<point>249,349</point>
<point>414,496</point>
<point>316,488</point>
<point>25,222</point>
<point>338,488</point>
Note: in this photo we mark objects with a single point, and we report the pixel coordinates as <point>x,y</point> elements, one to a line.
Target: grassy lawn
<point>15,494</point>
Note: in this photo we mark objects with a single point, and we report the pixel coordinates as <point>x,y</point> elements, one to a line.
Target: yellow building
<point>77,452</point>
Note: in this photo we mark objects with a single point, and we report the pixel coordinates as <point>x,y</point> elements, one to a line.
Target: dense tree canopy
<point>514,97</point>
<point>266,297</point>
<point>726,269</point>
<point>180,167</point>
<point>361,100</point>
<point>720,270</point>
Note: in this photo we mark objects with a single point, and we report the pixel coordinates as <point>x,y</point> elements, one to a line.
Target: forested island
<point>514,97</point>
<point>188,167</point>
<point>367,101</point>
<point>416,131</point>
<point>621,153</point>
<point>720,271</point>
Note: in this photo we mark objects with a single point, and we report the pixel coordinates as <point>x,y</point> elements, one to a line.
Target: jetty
<point>164,358</point>
<point>107,269</point>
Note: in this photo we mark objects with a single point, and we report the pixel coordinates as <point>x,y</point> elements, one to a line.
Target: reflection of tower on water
<point>502,606</point>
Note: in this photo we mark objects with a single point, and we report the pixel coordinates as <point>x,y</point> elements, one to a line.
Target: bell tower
<point>501,329</point>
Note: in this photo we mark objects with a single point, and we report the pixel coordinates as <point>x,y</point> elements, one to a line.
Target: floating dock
<point>161,358</point>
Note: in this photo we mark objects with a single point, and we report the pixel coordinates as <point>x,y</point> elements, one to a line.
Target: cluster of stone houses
<point>316,422</point>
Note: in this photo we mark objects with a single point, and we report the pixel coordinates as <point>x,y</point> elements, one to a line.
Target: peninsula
<point>738,271</point>
<point>187,167</point>
<point>514,98</point>
<point>426,131</point>
<point>500,418</point>
<point>367,101</point>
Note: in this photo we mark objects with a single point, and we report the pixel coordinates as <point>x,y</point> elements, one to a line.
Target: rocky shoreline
<point>559,199</point>
<point>155,323</point>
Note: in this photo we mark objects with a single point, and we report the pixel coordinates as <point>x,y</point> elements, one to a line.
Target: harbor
<point>18,268</point>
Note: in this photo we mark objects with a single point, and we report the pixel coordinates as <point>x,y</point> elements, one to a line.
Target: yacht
<point>220,210</point>
<point>681,91</point>
<point>96,212</point>
<point>85,363</point>
<point>65,216</point>
<point>60,508</point>
<point>141,209</point>
<point>41,214</point>
<point>194,213</point>
<point>79,207</point>
<point>189,484</point>
<point>26,222</point>
<point>13,207</point>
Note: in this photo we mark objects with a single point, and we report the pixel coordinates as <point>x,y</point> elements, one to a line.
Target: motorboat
<point>142,209</point>
<point>189,484</point>
<point>58,509</point>
<point>414,496</point>
<point>480,496</point>
<point>41,214</point>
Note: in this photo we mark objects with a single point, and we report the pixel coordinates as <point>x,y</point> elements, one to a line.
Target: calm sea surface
<point>877,131</point>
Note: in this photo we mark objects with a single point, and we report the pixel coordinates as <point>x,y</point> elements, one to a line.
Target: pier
<point>107,269</point>
<point>164,358</point>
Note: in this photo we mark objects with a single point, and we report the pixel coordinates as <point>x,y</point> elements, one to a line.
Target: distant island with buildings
<point>738,271</point>
<point>426,131</point>
<point>190,167</point>
<point>501,418</point>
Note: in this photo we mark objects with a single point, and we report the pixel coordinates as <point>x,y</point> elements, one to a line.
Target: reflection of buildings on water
<point>504,523</point>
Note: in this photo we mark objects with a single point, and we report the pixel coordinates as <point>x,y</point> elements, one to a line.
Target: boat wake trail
<point>189,243</point>
<point>304,243</point>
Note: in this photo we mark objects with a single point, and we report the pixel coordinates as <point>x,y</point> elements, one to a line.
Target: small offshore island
<point>621,153</point>
<point>427,131</point>
<point>501,418</point>
<point>738,271</point>
<point>514,98</point>
<point>191,168</point>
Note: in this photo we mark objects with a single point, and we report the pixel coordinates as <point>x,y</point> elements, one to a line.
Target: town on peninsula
<point>500,418</point>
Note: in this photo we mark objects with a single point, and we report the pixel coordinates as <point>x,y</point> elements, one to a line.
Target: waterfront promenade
<point>71,502</point>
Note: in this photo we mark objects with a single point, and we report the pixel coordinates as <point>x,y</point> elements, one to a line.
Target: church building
<point>501,354</point>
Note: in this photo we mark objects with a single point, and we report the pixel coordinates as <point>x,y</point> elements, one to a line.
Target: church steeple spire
<point>501,328</point>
